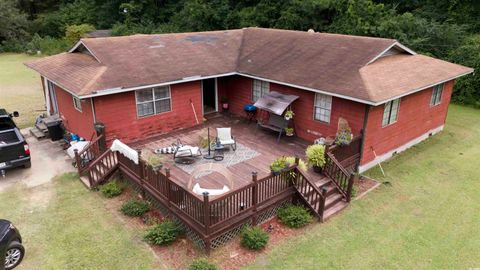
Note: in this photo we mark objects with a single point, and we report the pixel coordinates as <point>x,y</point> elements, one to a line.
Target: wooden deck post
<point>100,130</point>
<point>206,220</point>
<point>254,197</point>
<point>321,207</point>
<point>78,161</point>
<point>350,186</point>
<point>141,172</point>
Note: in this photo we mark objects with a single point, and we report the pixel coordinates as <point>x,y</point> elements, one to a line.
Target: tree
<point>13,23</point>
<point>74,33</point>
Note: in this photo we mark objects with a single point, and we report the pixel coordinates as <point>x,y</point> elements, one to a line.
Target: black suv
<point>10,245</point>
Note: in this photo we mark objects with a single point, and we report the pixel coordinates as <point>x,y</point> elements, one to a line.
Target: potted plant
<point>224,101</point>
<point>316,157</point>
<point>289,131</point>
<point>289,114</point>
<point>279,165</point>
<point>155,161</point>
<point>344,137</point>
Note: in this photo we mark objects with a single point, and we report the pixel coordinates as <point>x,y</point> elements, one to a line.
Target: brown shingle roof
<point>338,64</point>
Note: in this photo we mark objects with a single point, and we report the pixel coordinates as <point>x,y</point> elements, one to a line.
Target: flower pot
<point>289,134</point>
<point>225,106</point>
<point>275,172</point>
<point>317,169</point>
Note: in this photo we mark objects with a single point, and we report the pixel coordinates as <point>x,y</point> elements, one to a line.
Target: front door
<point>209,95</point>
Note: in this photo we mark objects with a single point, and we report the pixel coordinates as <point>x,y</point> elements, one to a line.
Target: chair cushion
<point>229,141</point>
<point>224,134</point>
<point>186,151</point>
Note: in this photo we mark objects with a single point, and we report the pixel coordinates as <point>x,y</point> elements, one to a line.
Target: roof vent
<point>311,30</point>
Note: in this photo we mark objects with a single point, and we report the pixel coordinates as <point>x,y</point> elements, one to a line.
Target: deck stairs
<point>335,201</point>
<point>39,131</point>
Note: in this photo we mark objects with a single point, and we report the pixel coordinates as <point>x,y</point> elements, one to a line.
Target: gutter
<point>364,133</point>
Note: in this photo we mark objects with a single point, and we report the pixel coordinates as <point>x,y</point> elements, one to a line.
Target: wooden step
<point>337,208</point>
<point>85,181</point>
<point>42,127</point>
<point>332,200</point>
<point>37,133</point>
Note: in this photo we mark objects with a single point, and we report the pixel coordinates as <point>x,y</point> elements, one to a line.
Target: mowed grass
<point>20,88</point>
<point>65,226</point>
<point>427,217</point>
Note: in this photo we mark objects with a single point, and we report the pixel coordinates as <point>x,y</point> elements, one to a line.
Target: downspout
<point>93,111</point>
<point>364,133</point>
<point>47,95</point>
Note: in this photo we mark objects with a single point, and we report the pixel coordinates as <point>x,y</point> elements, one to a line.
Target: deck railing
<point>339,175</point>
<point>349,155</point>
<point>88,154</point>
<point>311,194</point>
<point>103,166</point>
<point>210,217</point>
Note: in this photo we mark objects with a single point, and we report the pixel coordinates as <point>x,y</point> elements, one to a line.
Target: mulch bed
<point>182,252</point>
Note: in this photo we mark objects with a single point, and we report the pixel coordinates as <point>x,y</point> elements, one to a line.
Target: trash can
<point>54,126</point>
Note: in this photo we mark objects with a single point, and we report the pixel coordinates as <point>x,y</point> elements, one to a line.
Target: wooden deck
<point>262,141</point>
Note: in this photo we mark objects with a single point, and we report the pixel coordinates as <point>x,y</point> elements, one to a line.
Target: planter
<point>290,134</point>
<point>275,172</point>
<point>317,169</point>
<point>225,106</point>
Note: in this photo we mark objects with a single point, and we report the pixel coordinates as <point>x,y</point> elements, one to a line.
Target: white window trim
<point>154,105</point>
<point>261,93</point>
<point>75,103</point>
<point>398,112</point>
<point>435,88</point>
<point>315,107</point>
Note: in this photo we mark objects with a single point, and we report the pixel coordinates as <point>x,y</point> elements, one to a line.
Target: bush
<point>135,208</point>
<point>316,155</point>
<point>163,233</point>
<point>202,264</point>
<point>301,163</point>
<point>111,189</point>
<point>47,45</point>
<point>254,238</point>
<point>74,33</point>
<point>294,216</point>
<point>279,165</point>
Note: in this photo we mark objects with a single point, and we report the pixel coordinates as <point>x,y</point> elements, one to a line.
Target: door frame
<point>216,97</point>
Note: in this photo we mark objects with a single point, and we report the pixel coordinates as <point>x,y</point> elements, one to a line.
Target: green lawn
<point>20,88</point>
<point>428,218</point>
<point>65,226</point>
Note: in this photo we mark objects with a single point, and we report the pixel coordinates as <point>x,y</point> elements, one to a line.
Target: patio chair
<point>186,152</point>
<point>225,138</point>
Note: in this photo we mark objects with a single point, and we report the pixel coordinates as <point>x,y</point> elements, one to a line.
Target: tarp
<point>275,102</point>
<point>130,153</point>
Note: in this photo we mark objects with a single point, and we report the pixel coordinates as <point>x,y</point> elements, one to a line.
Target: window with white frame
<point>323,107</point>
<point>390,112</point>
<point>260,88</point>
<point>77,104</point>
<point>437,94</point>
<point>153,101</point>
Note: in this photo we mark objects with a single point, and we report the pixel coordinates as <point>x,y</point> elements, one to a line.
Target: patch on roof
<point>201,38</point>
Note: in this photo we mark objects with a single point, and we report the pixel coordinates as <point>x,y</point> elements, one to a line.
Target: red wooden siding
<point>119,113</point>
<point>239,92</point>
<point>415,118</point>
<point>80,123</point>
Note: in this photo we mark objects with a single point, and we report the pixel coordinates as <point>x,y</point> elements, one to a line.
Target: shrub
<point>279,165</point>
<point>316,155</point>
<point>202,264</point>
<point>135,208</point>
<point>294,216</point>
<point>111,189</point>
<point>254,238</point>
<point>47,45</point>
<point>74,33</point>
<point>301,163</point>
<point>162,234</point>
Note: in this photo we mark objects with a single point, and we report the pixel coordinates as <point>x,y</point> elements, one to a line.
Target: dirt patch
<point>364,184</point>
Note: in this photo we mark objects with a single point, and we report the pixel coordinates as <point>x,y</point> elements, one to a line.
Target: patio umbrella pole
<point>209,155</point>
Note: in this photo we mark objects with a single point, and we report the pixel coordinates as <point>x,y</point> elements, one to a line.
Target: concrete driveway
<point>48,160</point>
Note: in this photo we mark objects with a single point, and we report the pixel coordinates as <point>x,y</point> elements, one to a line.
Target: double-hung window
<point>322,107</point>
<point>77,104</point>
<point>437,94</point>
<point>153,101</point>
<point>260,88</point>
<point>390,112</point>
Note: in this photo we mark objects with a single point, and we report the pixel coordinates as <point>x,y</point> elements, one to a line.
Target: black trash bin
<point>54,126</point>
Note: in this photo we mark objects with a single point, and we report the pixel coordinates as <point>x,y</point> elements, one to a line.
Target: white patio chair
<point>187,151</point>
<point>225,138</point>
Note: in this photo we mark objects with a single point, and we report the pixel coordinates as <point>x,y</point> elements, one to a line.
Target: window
<point>260,88</point>
<point>390,113</point>
<point>437,94</point>
<point>153,101</point>
<point>323,107</point>
<point>77,104</point>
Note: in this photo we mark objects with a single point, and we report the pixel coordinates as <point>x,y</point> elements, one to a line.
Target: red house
<point>144,85</point>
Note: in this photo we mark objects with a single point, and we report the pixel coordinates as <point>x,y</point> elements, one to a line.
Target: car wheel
<point>27,165</point>
<point>14,255</point>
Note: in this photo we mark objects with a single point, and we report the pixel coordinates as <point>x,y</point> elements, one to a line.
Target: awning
<point>275,102</point>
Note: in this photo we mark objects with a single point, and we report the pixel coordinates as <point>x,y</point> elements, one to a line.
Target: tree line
<point>446,29</point>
